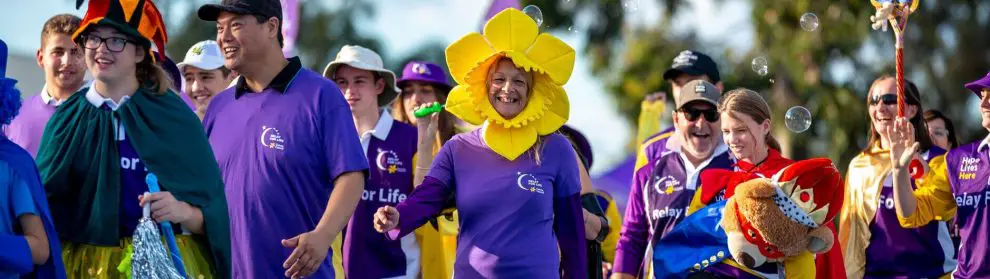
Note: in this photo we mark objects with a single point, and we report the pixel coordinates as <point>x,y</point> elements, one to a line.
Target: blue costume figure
<point>21,193</point>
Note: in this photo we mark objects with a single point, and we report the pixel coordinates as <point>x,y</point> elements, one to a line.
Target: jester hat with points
<point>136,18</point>
<point>514,35</point>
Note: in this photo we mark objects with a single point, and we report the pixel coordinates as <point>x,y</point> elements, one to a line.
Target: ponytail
<point>150,75</point>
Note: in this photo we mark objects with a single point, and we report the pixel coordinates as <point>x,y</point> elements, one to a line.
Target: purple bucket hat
<point>979,84</point>
<point>424,72</point>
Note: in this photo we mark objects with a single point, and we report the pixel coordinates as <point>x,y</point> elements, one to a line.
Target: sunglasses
<point>889,99</point>
<point>711,115</point>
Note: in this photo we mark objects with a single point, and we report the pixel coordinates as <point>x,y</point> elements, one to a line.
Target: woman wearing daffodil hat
<point>514,181</point>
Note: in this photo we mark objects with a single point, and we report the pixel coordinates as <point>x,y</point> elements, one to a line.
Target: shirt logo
<point>968,167</point>
<point>667,185</point>
<point>528,182</point>
<point>421,69</point>
<point>388,161</point>
<point>271,138</point>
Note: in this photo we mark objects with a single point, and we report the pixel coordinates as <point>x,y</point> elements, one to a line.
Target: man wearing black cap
<point>287,148</point>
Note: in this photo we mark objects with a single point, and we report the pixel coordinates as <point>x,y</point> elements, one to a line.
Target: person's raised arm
<point>650,114</point>
<point>426,130</point>
<point>933,199</point>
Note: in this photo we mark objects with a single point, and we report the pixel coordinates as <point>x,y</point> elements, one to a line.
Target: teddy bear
<point>770,220</point>
<point>780,220</point>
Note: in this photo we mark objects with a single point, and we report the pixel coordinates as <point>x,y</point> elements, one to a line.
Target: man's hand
<point>310,249</point>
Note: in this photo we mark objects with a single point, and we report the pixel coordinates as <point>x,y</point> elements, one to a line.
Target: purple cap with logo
<point>424,72</point>
<point>979,85</point>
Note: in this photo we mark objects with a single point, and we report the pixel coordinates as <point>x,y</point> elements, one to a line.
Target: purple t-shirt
<point>367,253</point>
<point>27,128</point>
<point>279,152</point>
<point>969,177</point>
<point>513,214</point>
<point>896,252</point>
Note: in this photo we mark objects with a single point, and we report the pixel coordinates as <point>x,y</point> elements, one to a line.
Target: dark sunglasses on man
<point>889,99</point>
<point>711,115</point>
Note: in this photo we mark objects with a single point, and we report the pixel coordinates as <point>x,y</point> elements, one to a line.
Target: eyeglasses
<point>711,115</point>
<point>114,44</point>
<point>889,99</point>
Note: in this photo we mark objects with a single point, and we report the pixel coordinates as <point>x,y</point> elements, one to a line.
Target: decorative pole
<point>896,13</point>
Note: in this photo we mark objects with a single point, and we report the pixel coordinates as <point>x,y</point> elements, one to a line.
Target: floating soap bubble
<point>630,5</point>
<point>797,119</point>
<point>535,13</point>
<point>760,66</point>
<point>809,22</point>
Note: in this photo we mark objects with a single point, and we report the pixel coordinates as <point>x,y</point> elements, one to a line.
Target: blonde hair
<point>62,24</point>
<point>750,103</point>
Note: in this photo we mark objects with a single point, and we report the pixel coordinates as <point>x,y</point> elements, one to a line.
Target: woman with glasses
<point>872,240</point>
<point>102,143</point>
<point>941,130</point>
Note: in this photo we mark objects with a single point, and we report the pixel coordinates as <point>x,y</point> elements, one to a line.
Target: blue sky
<point>592,110</point>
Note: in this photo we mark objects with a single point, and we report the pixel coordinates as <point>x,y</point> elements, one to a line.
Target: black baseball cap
<point>688,62</point>
<point>266,8</point>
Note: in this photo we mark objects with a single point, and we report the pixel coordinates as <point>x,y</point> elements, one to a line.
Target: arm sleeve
<point>21,198</point>
<point>568,224</point>
<point>631,246</point>
<point>16,254</point>
<point>341,144</point>
<point>934,197</point>
<point>649,120</point>
<point>429,198</point>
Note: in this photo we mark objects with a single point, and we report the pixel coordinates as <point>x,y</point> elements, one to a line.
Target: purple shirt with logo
<point>513,214</point>
<point>896,252</point>
<point>658,202</point>
<point>367,253</point>
<point>279,152</point>
<point>27,128</point>
<point>969,175</point>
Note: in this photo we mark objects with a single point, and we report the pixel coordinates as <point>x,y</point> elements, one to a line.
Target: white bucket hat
<point>205,55</point>
<point>365,59</point>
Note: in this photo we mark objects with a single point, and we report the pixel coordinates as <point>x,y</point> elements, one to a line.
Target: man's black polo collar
<point>280,83</point>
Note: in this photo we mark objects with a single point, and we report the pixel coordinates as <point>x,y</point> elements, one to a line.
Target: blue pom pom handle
<point>173,248</point>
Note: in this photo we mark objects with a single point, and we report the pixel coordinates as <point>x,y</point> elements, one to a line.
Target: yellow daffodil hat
<point>512,34</point>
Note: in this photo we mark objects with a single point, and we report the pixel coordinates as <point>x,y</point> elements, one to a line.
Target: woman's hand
<point>386,219</point>
<point>903,147</point>
<point>164,207</point>
<point>426,126</point>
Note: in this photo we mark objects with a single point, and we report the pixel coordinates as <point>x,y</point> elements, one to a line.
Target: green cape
<point>80,167</point>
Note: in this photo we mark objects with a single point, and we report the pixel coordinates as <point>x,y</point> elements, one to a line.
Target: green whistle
<point>434,108</point>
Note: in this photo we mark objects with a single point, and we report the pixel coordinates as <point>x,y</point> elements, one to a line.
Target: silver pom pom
<point>150,260</point>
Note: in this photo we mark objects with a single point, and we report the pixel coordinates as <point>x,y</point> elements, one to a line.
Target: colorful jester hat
<point>136,18</point>
<point>514,35</point>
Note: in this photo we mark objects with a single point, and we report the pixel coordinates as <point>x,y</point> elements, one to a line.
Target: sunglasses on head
<point>711,115</point>
<point>887,99</point>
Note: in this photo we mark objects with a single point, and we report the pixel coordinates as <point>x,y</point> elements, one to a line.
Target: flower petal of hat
<point>512,34</point>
